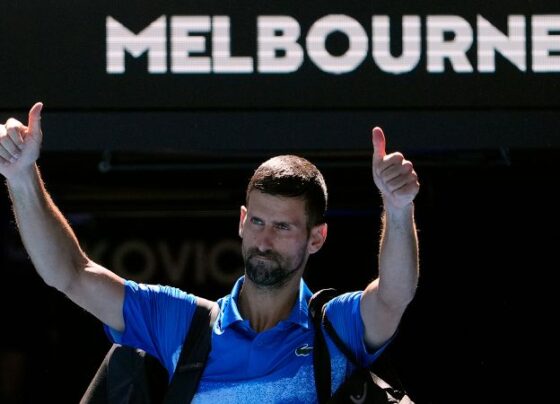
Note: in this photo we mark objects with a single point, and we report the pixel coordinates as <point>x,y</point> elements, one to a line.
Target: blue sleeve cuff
<point>344,313</point>
<point>113,335</point>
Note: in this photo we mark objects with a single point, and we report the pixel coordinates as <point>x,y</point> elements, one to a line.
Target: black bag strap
<point>382,368</point>
<point>321,356</point>
<point>194,354</point>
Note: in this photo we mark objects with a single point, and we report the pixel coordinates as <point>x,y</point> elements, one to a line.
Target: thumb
<point>378,140</point>
<point>34,120</point>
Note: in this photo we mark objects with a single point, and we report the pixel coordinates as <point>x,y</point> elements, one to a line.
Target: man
<point>262,341</point>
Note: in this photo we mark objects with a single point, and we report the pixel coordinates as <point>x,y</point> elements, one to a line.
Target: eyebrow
<point>275,222</point>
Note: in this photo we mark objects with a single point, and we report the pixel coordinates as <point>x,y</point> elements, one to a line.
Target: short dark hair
<point>293,176</point>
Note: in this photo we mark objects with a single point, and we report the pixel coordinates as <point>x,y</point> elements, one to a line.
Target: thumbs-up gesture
<point>393,174</point>
<point>19,144</point>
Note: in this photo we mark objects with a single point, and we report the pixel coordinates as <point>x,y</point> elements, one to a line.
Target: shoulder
<point>343,312</point>
<point>346,303</point>
<point>152,291</point>
<point>157,302</point>
<point>335,304</point>
<point>157,319</point>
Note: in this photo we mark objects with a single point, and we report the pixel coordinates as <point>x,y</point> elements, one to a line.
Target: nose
<point>265,239</point>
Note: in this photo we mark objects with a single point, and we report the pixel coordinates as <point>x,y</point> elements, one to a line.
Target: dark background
<point>151,171</point>
<point>485,301</point>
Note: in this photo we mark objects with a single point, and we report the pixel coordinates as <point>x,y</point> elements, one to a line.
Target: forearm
<point>386,298</point>
<point>46,235</point>
<point>398,257</point>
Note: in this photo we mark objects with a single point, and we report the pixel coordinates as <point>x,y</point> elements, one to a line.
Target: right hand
<point>393,175</point>
<point>19,144</point>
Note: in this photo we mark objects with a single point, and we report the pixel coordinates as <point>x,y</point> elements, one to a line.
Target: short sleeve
<point>157,319</point>
<point>344,313</point>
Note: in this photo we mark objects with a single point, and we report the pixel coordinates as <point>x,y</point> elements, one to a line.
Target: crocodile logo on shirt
<point>304,350</point>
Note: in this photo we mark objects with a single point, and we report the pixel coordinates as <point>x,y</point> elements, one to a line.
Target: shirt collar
<point>230,311</point>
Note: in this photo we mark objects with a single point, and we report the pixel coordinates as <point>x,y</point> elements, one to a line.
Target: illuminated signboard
<point>248,54</point>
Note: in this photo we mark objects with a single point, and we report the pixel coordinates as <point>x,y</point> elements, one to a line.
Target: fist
<point>393,175</point>
<point>19,144</point>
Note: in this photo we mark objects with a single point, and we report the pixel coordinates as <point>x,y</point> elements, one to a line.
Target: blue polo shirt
<point>244,366</point>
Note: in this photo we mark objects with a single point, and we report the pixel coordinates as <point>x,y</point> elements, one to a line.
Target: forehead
<point>276,208</point>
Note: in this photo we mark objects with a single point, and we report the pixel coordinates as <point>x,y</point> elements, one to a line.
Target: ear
<point>317,238</point>
<point>242,217</point>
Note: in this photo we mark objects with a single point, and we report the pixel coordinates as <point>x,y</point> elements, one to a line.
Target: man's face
<point>275,239</point>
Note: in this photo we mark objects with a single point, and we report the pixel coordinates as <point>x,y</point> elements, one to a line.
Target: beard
<point>269,269</point>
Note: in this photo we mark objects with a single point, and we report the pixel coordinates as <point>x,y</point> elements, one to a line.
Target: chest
<point>241,352</point>
<point>274,366</point>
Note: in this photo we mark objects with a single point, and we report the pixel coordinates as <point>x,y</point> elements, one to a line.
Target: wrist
<point>399,212</point>
<point>23,178</point>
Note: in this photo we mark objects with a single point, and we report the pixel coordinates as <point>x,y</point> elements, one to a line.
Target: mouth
<point>261,258</point>
<point>267,260</point>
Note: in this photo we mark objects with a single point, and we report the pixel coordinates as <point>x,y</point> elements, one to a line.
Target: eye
<point>256,221</point>
<point>282,226</point>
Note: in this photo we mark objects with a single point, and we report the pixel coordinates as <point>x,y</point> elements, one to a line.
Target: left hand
<point>20,144</point>
<point>393,175</point>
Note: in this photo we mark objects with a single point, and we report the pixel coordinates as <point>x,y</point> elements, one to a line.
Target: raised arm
<point>385,299</point>
<point>47,236</point>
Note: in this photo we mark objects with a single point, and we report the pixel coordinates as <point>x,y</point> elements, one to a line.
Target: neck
<point>264,308</point>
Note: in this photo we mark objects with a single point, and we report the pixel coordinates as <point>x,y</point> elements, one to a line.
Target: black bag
<point>131,376</point>
<point>364,385</point>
